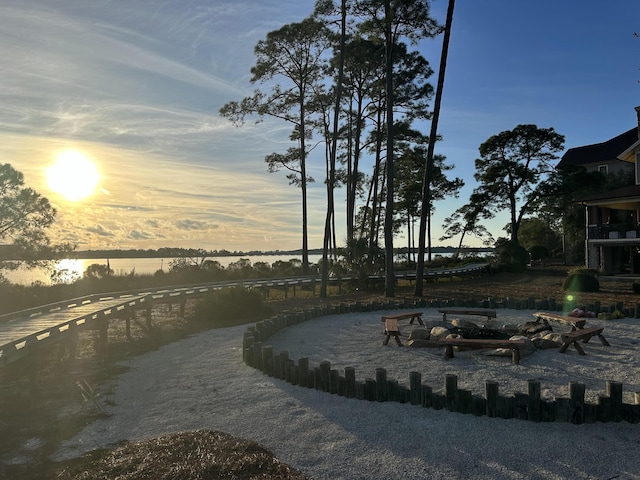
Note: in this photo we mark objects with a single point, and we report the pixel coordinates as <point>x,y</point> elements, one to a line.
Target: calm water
<point>72,269</point>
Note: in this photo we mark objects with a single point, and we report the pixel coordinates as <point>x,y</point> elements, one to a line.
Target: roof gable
<point>600,152</point>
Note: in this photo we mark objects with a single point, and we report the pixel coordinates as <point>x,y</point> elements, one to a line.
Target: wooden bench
<point>575,322</point>
<point>403,316</point>
<point>585,335</point>
<point>391,330</point>
<point>484,312</point>
<point>477,343</point>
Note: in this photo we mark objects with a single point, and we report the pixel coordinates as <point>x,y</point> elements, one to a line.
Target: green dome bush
<point>232,306</point>
<point>581,282</point>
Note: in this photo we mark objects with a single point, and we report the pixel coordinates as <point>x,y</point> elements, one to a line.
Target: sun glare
<point>73,175</point>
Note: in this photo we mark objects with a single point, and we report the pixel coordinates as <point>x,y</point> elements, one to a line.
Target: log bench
<point>484,312</point>
<point>391,330</point>
<point>575,322</point>
<point>585,334</point>
<point>403,316</point>
<point>478,343</point>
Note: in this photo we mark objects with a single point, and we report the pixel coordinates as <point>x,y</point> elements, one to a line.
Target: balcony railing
<point>613,231</point>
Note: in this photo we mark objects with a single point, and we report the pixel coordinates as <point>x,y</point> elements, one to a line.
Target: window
<point>603,169</point>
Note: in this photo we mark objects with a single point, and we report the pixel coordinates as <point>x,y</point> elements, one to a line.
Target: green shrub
<point>232,306</point>
<point>538,252</point>
<point>510,256</point>
<point>581,282</point>
<point>584,270</point>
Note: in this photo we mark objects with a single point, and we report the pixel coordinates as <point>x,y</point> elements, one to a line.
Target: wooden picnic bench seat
<point>575,322</point>
<point>484,312</point>
<point>402,316</point>
<point>391,330</point>
<point>585,335</point>
<point>478,343</point>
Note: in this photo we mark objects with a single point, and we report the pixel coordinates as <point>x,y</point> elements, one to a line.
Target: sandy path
<point>201,382</point>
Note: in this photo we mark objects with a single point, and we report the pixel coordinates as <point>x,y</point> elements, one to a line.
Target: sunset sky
<point>136,86</point>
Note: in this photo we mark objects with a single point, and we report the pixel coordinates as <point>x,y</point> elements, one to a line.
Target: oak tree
<point>511,167</point>
<point>25,216</point>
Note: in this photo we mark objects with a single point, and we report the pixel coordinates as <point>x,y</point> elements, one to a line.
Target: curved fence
<point>527,406</point>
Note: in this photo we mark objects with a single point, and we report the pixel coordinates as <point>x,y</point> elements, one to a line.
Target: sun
<point>73,175</point>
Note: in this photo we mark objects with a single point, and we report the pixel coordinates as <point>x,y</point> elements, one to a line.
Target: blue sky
<point>136,87</point>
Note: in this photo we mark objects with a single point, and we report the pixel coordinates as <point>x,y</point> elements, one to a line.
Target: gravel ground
<point>201,382</point>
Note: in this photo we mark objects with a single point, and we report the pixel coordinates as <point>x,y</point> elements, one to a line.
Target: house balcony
<point>622,233</point>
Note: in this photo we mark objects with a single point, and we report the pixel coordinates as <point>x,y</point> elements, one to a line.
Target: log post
<point>283,358</point>
<point>464,400</point>
<point>415,381</point>
<point>325,375</point>
<point>520,407</point>
<point>450,391</point>
<point>604,408</point>
<point>350,377</point>
<point>381,385</point>
<point>534,406</point>
<point>576,403</point>
<point>478,405</point>
<point>393,391</point>
<point>303,372</point>
<point>334,379</point>
<point>614,392</point>
<point>370,389</point>
<point>266,354</point>
<point>491,389</point>
<point>426,395</point>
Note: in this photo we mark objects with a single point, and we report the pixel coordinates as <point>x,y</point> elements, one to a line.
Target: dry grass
<point>36,416</point>
<point>199,455</point>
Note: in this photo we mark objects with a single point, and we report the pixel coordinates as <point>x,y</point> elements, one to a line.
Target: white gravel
<point>202,383</point>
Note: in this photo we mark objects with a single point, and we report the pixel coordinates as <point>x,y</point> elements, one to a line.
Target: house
<point>612,218</point>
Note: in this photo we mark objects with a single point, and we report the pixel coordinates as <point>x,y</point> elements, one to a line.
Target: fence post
<point>415,382</point>
<point>576,402</point>
<point>350,378</point>
<point>614,392</point>
<point>451,391</point>
<point>491,388</point>
<point>534,406</point>
<point>381,385</point>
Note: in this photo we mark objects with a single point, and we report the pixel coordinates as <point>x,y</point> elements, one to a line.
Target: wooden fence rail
<point>21,331</point>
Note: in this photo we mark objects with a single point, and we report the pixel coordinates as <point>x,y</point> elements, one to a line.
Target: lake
<point>72,269</point>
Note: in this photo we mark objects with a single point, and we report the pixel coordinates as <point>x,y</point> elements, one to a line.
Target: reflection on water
<point>67,270</point>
